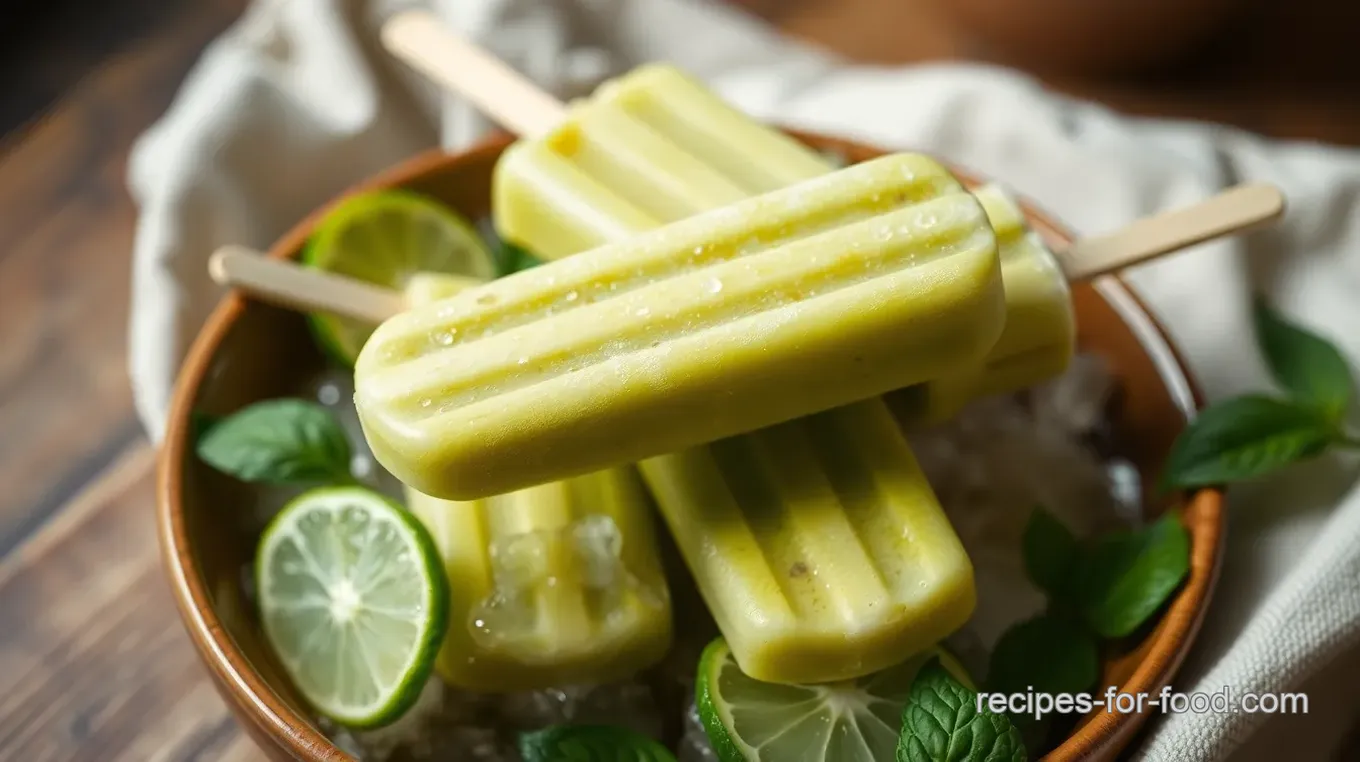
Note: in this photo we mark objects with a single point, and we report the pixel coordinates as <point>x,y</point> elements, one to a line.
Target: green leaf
<point>200,422</point>
<point>1050,552</point>
<point>941,723</point>
<point>282,441</point>
<point>1127,576</point>
<point>590,743</point>
<point>1245,437</point>
<point>512,258</point>
<point>1305,364</point>
<point>1051,654</point>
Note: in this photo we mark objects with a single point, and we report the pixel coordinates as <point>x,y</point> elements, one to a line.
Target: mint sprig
<point>942,723</point>
<point>280,441</point>
<point>1105,588</point>
<point>1050,552</point>
<point>1253,435</point>
<point>1110,587</point>
<point>1050,653</point>
<point>590,743</point>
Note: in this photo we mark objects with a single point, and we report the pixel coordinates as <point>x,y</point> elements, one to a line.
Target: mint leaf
<point>200,422</point>
<point>941,723</point>
<point>512,258</point>
<point>1127,576</point>
<point>1245,437</point>
<point>1306,365</point>
<point>1051,654</point>
<point>1050,553</point>
<point>283,441</point>
<point>590,743</point>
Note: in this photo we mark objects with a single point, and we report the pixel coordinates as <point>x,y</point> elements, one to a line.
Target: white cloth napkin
<point>296,101</point>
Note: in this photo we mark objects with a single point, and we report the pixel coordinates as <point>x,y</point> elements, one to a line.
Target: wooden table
<point>93,661</point>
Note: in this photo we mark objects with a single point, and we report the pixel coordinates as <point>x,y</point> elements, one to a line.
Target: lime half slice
<point>354,602</point>
<point>852,721</point>
<point>385,238</point>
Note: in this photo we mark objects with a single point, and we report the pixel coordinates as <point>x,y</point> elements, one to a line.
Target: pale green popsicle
<point>1040,334</point>
<point>827,292</point>
<point>655,146</point>
<point>558,584</point>
<point>818,545</point>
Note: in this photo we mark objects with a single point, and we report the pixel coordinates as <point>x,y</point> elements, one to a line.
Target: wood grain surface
<point>93,661</point>
<point>65,237</point>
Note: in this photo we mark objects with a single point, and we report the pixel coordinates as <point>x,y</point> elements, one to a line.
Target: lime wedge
<point>384,238</point>
<point>354,602</point>
<point>852,721</point>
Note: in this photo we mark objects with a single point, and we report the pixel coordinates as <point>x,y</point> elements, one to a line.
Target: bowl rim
<point>252,700</point>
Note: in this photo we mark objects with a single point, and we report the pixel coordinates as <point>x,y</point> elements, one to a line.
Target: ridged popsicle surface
<point>837,289</point>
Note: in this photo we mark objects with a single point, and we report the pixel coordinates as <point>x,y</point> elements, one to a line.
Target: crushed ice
<point>585,553</point>
<point>1001,457</point>
<point>446,723</point>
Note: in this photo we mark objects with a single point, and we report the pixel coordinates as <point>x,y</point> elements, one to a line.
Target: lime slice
<point>852,721</point>
<point>354,602</point>
<point>384,238</point>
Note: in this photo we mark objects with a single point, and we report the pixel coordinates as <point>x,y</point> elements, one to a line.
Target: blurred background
<point>81,80</point>
<point>1284,69</point>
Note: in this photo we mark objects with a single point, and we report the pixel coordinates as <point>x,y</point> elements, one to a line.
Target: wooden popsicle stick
<point>1236,210</point>
<point>289,285</point>
<point>421,40</point>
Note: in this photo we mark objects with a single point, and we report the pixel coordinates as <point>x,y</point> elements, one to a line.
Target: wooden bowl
<point>249,352</point>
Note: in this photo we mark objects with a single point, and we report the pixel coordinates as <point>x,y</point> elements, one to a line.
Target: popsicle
<point>648,148</point>
<point>1040,334</point>
<point>654,145</point>
<point>558,584</point>
<point>817,544</point>
<point>821,294</point>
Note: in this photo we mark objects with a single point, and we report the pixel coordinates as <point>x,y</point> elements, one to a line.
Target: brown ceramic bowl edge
<point>250,699</point>
<point>1202,512</point>
<point>264,714</point>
